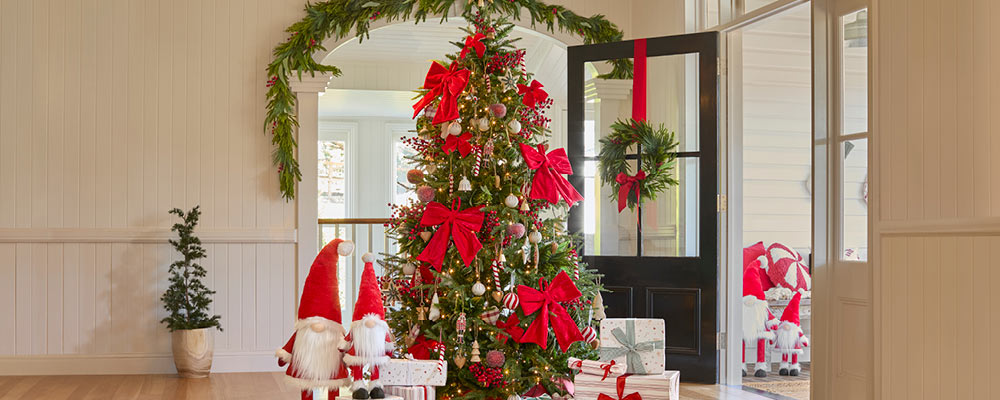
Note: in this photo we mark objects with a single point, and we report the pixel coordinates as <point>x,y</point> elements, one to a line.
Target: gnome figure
<point>789,339</point>
<point>369,343</point>
<point>313,354</point>
<point>758,322</point>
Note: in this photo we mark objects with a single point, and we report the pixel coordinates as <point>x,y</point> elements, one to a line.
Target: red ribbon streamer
<point>458,226</point>
<point>548,183</point>
<point>460,143</point>
<point>607,369</point>
<point>533,94</point>
<point>639,81</point>
<point>546,300</point>
<point>625,185</point>
<point>447,83</point>
<point>620,386</point>
<point>474,43</point>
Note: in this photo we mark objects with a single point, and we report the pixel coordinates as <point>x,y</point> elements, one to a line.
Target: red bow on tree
<point>512,328</point>
<point>620,386</point>
<point>422,347</point>
<point>460,226</point>
<point>473,42</point>
<point>626,183</point>
<point>533,94</point>
<point>547,300</point>
<point>548,183</point>
<point>447,83</point>
<point>460,143</point>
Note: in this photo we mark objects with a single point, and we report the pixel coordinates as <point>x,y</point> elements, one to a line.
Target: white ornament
<point>511,201</point>
<point>409,269</point>
<point>514,397</point>
<point>478,289</point>
<point>514,125</point>
<point>435,313</point>
<point>455,128</point>
<point>464,185</point>
<point>598,305</point>
<point>483,124</point>
<point>535,237</point>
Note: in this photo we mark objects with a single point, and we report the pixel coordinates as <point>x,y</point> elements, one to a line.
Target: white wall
<point>111,113</point>
<point>936,98</point>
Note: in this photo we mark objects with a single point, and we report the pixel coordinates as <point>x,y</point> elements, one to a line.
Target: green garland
<point>338,18</point>
<point>656,160</point>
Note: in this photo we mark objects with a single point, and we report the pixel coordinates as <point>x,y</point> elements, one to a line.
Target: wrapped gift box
<point>634,342</point>
<point>412,392</point>
<point>387,397</point>
<point>664,386</point>
<point>401,372</point>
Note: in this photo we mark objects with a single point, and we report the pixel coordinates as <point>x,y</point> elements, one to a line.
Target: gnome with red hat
<point>369,343</point>
<point>313,352</point>
<point>758,321</point>
<point>789,339</point>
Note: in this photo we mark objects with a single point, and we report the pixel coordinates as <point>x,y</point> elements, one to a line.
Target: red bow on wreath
<point>447,83</point>
<point>548,183</point>
<point>626,183</point>
<point>547,298</point>
<point>533,94</point>
<point>620,386</point>
<point>473,42</point>
<point>460,143</point>
<point>460,226</point>
<point>422,347</point>
<point>511,328</point>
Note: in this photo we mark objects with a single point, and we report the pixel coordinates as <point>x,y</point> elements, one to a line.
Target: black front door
<point>660,260</point>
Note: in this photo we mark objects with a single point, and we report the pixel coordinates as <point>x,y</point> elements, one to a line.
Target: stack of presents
<point>632,361</point>
<point>413,379</point>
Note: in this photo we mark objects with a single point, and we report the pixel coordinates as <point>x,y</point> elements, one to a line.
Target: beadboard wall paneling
<point>935,144</point>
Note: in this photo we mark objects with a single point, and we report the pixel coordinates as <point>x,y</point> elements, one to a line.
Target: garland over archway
<point>339,18</point>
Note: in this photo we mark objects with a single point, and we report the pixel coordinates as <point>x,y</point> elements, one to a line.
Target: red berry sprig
<point>488,377</point>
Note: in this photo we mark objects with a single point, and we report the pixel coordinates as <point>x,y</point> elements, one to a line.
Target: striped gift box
<point>412,392</point>
<point>664,386</point>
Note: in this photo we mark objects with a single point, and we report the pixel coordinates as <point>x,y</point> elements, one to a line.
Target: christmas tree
<point>485,270</point>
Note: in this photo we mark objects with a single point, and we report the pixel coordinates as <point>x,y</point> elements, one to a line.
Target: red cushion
<point>787,268</point>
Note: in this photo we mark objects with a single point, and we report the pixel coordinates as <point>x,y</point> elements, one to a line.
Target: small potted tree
<point>187,300</point>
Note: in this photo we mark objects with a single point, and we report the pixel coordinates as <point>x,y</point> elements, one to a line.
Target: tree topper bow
<point>447,83</point>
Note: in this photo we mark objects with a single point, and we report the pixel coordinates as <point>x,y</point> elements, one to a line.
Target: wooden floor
<point>218,386</point>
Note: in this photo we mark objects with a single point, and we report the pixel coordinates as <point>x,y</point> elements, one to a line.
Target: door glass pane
<point>854,30</point>
<point>332,179</point>
<point>855,190</point>
<point>670,223</point>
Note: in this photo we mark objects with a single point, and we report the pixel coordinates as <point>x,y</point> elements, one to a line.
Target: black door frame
<point>701,355</point>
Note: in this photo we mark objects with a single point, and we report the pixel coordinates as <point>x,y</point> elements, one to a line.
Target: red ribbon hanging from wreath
<point>626,183</point>
<point>545,300</point>
<point>447,83</point>
<point>457,225</point>
<point>548,183</point>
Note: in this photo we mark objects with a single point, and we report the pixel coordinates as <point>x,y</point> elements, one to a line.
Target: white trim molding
<point>141,235</point>
<point>130,364</point>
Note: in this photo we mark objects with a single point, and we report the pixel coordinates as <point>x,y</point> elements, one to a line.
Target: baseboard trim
<point>129,364</point>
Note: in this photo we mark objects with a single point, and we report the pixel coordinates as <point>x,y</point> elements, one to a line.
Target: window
<point>401,162</point>
<point>853,135</point>
<point>332,179</point>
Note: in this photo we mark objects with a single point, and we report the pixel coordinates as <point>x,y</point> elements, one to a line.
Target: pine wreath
<point>656,160</point>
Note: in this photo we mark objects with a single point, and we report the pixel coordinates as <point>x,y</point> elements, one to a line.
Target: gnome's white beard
<point>370,346</point>
<point>755,316</point>
<point>787,337</point>
<point>316,356</point>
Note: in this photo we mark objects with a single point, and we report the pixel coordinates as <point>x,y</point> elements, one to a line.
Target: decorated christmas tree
<point>486,271</point>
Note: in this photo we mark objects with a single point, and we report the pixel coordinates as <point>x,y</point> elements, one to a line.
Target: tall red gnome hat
<point>751,284</point>
<point>321,292</point>
<point>369,293</point>
<point>791,313</point>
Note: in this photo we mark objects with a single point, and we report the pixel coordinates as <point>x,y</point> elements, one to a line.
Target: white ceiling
<point>408,48</point>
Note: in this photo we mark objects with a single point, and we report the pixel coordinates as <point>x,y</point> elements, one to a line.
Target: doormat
<point>794,389</point>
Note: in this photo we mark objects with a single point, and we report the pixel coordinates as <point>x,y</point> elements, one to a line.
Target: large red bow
<point>460,143</point>
<point>533,94</point>
<point>422,347</point>
<point>447,83</point>
<point>625,185</point>
<point>473,42</point>
<point>512,329</point>
<point>549,184</point>
<point>547,299</point>
<point>620,386</point>
<point>458,225</point>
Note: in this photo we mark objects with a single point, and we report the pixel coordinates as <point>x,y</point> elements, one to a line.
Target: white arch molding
<point>307,91</point>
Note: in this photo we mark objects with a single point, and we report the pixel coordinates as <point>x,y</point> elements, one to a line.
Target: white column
<point>307,93</point>
<point>614,97</point>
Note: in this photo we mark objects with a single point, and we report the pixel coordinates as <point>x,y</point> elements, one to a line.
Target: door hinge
<point>721,203</point>
<point>720,341</point>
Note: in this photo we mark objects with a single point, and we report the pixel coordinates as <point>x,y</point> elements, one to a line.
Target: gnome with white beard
<point>313,352</point>
<point>758,321</point>
<point>789,338</point>
<point>369,343</point>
